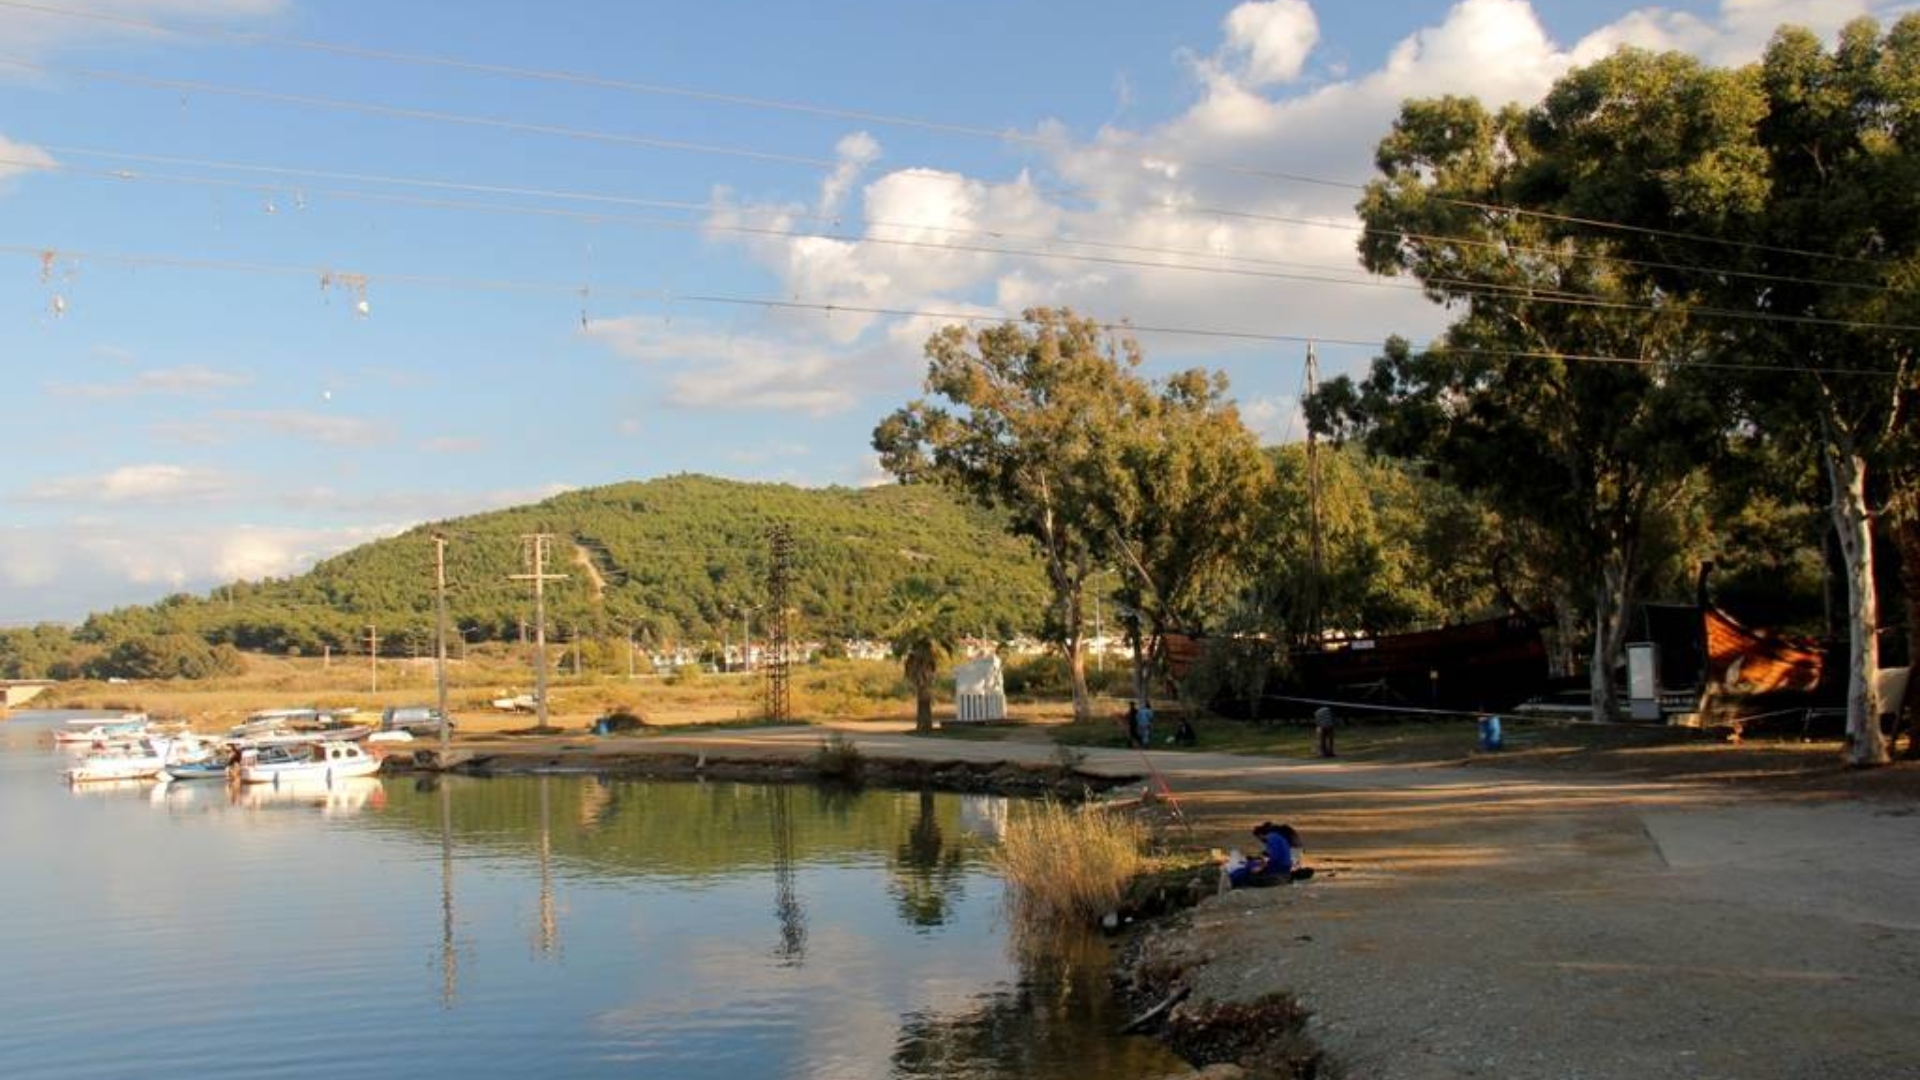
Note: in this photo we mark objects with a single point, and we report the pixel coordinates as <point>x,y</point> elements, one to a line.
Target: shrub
<point>839,760</point>
<point>1070,865</point>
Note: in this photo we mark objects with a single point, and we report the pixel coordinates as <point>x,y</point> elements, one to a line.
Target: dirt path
<point>1475,922</point>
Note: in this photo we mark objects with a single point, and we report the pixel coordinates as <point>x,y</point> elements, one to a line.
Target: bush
<point>685,675</point>
<point>1070,865</point>
<point>839,760</point>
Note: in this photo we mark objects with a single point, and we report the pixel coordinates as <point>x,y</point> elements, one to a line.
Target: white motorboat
<point>89,730</point>
<point>323,760</point>
<point>142,760</point>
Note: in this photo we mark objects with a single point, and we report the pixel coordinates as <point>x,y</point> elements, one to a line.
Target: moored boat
<point>90,730</point>
<point>142,760</point>
<point>324,760</point>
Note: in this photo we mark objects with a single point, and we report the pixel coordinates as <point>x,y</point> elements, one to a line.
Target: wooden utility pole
<point>440,644</point>
<point>536,548</point>
<point>373,655</point>
<point>1313,507</point>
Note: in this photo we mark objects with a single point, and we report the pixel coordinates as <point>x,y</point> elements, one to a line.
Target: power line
<point>43,253</point>
<point>429,115</point>
<point>1469,287</point>
<point>599,198</point>
<point>808,108</point>
<point>568,195</point>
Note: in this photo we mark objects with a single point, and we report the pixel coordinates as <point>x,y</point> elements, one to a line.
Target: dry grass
<point>1068,864</point>
<point>839,690</point>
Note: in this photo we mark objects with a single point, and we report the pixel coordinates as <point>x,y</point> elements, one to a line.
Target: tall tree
<point>1810,181</point>
<point>1026,400</point>
<point>1180,501</point>
<point>1047,419</point>
<point>1512,404</point>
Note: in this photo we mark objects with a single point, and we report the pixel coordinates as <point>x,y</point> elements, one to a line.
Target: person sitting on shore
<point>1277,865</point>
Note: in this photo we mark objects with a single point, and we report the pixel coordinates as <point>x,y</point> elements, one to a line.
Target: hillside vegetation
<point>676,560</point>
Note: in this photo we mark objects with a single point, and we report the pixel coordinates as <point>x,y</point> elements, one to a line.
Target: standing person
<point>1146,723</point>
<point>1133,723</point>
<point>1323,730</point>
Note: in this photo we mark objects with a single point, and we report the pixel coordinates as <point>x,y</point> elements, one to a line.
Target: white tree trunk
<point>1866,744</point>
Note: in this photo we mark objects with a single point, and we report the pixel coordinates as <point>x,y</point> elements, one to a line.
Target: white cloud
<point>299,424</point>
<point>1736,34</point>
<point>713,368</point>
<point>1269,40</point>
<point>1275,421</point>
<point>31,34</point>
<point>136,484</point>
<point>1282,250</point>
<point>68,570</point>
<point>18,158</point>
<point>187,380</point>
<point>856,152</point>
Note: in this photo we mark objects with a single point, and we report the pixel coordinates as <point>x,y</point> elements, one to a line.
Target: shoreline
<point>1480,921</point>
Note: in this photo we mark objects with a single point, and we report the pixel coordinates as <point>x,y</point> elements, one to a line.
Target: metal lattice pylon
<point>779,624</point>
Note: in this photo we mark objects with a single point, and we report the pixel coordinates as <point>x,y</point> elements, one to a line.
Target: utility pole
<point>373,655</point>
<point>536,548</point>
<point>1313,507</point>
<point>440,633</point>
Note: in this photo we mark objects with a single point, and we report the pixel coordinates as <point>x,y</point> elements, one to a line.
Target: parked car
<point>413,719</point>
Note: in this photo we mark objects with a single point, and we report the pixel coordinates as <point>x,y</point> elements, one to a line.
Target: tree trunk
<point>923,707</point>
<point>1074,642</point>
<point>1906,532</point>
<point>1609,631</point>
<point>1847,472</point>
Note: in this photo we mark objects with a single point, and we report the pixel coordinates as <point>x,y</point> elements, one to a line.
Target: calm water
<point>558,926</point>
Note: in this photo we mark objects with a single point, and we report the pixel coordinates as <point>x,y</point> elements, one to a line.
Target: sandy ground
<point>1494,922</point>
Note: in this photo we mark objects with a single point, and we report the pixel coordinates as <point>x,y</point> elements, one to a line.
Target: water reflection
<point>449,957</point>
<point>547,939</point>
<point>927,873</point>
<point>1038,1027</point>
<point>792,950</point>
<point>401,910</point>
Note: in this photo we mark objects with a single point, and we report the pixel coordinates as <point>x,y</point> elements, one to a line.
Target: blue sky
<point>262,302</point>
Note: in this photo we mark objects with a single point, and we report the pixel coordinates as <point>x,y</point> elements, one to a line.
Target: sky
<point>281,277</point>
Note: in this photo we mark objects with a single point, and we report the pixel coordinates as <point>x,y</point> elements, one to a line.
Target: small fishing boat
<point>324,760</point>
<point>208,768</point>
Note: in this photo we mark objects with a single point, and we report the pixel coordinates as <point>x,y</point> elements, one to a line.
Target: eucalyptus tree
<point>1048,420</point>
<point>1792,217</point>
<point>1564,392</point>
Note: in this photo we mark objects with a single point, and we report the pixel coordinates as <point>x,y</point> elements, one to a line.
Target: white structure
<point>979,691</point>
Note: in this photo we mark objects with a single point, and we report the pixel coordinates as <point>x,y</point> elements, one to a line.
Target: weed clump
<point>838,760</point>
<point>1070,865</point>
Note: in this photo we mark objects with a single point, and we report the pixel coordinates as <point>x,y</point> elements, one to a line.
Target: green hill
<point>679,558</point>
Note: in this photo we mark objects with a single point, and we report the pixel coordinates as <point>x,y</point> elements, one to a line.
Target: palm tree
<point>923,639</point>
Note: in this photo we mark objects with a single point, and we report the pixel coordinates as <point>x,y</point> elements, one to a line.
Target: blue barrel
<point>1490,733</point>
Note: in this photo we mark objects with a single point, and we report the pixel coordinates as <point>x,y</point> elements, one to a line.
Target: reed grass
<point>1068,864</point>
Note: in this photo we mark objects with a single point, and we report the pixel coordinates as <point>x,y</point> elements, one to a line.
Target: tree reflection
<point>1057,1020</point>
<point>926,875</point>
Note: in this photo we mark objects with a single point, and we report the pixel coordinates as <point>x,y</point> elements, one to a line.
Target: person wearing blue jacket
<point>1276,864</point>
